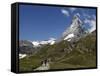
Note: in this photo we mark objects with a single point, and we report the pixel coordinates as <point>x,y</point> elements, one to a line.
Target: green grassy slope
<point>64,56</point>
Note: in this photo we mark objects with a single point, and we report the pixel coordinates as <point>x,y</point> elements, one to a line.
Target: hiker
<point>45,61</point>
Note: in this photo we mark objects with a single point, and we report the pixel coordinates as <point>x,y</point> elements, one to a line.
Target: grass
<point>28,64</point>
<point>64,66</point>
<point>83,55</point>
<point>75,61</point>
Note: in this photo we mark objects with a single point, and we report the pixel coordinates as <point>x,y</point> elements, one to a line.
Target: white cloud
<point>86,21</point>
<point>86,15</point>
<point>92,24</point>
<point>89,16</point>
<point>72,9</point>
<point>65,12</point>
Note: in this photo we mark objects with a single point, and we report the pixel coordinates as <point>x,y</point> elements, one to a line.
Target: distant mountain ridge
<point>51,41</point>
<point>28,47</point>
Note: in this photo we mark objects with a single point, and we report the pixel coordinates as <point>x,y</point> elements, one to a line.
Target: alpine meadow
<point>57,38</point>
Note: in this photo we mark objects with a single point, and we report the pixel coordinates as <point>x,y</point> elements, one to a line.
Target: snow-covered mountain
<point>29,47</point>
<point>75,30</point>
<point>26,47</point>
<point>36,43</point>
<point>51,41</point>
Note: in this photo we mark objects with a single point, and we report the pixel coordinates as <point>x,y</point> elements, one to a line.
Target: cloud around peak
<point>91,23</point>
<point>65,12</point>
<point>72,9</point>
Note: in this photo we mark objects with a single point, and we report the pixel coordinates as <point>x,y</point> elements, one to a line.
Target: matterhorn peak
<point>75,29</point>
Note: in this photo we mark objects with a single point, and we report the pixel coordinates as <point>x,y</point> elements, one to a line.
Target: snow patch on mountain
<point>69,37</point>
<point>22,56</point>
<point>51,41</point>
<point>36,43</point>
<point>43,42</point>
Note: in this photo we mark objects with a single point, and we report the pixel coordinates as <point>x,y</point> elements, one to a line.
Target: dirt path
<point>43,67</point>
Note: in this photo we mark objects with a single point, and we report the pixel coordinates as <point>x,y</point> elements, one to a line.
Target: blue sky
<point>44,22</point>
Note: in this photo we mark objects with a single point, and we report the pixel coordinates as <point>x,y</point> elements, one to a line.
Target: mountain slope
<point>30,47</point>
<point>81,54</point>
<point>25,47</point>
